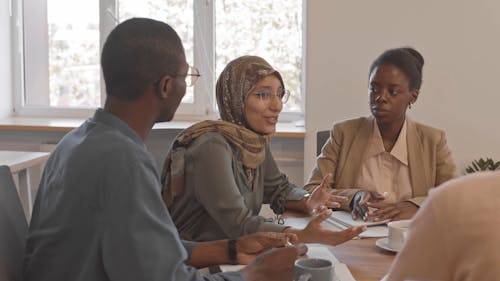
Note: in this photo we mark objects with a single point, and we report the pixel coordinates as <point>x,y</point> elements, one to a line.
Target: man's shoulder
<point>471,194</point>
<point>94,141</point>
<point>470,184</point>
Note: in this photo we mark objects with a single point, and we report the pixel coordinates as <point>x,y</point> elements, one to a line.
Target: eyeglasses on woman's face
<point>266,95</point>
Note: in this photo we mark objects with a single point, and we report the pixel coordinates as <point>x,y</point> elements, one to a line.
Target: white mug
<point>397,233</point>
<point>312,269</point>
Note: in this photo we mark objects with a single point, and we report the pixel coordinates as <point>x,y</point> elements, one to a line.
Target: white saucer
<point>382,243</point>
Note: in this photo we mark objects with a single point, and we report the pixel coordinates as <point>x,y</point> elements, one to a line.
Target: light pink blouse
<point>384,171</point>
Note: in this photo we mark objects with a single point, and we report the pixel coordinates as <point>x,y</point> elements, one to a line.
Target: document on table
<point>343,220</point>
<point>342,273</point>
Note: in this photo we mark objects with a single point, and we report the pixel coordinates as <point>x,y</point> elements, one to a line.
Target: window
<point>73,49</point>
<point>270,29</point>
<point>58,71</point>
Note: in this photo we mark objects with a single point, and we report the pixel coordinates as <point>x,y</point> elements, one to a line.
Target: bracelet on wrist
<point>231,250</point>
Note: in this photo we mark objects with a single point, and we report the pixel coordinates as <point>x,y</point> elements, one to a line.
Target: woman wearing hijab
<point>218,174</point>
<point>386,161</point>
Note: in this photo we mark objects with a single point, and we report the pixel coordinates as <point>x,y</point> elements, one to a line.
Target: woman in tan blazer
<point>386,161</point>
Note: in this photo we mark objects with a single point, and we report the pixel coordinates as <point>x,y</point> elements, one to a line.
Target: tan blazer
<point>429,158</point>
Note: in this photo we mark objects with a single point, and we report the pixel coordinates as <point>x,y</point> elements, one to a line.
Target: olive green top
<point>217,201</point>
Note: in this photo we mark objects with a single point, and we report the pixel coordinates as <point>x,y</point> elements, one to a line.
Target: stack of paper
<point>343,220</point>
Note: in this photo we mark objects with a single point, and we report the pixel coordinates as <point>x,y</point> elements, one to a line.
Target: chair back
<point>13,228</point>
<point>321,138</point>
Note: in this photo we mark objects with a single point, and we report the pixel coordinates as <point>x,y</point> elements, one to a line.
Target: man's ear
<point>164,86</point>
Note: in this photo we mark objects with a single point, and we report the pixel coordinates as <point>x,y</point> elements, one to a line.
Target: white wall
<point>460,41</point>
<point>5,65</point>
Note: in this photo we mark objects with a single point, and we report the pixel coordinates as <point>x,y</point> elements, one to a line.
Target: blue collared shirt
<point>99,215</point>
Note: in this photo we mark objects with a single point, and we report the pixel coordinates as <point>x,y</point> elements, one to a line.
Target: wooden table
<point>363,258</point>
<point>26,165</point>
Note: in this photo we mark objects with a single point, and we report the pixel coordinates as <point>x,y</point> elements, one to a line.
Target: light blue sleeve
<point>139,239</point>
<point>189,246</point>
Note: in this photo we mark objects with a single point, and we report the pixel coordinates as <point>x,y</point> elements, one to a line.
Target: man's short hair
<point>137,53</point>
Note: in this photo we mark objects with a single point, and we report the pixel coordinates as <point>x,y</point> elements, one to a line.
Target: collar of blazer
<point>419,172</point>
<point>356,151</point>
<point>352,156</point>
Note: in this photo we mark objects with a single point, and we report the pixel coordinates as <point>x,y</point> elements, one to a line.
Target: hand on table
<point>321,196</point>
<point>275,264</point>
<point>360,203</point>
<point>393,211</point>
<point>316,233</point>
<point>249,246</point>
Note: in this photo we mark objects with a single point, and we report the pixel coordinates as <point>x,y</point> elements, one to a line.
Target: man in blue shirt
<point>98,214</point>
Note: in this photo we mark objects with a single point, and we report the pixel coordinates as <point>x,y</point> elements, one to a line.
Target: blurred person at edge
<point>455,235</point>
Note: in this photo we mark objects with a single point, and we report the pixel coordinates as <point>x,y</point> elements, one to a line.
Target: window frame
<point>203,106</point>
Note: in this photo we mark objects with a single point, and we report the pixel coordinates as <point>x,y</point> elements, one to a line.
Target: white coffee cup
<point>397,233</point>
<point>312,269</point>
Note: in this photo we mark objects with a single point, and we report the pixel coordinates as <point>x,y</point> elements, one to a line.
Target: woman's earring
<point>409,105</point>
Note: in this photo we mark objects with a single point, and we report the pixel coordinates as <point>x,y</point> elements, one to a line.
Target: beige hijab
<point>235,82</point>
